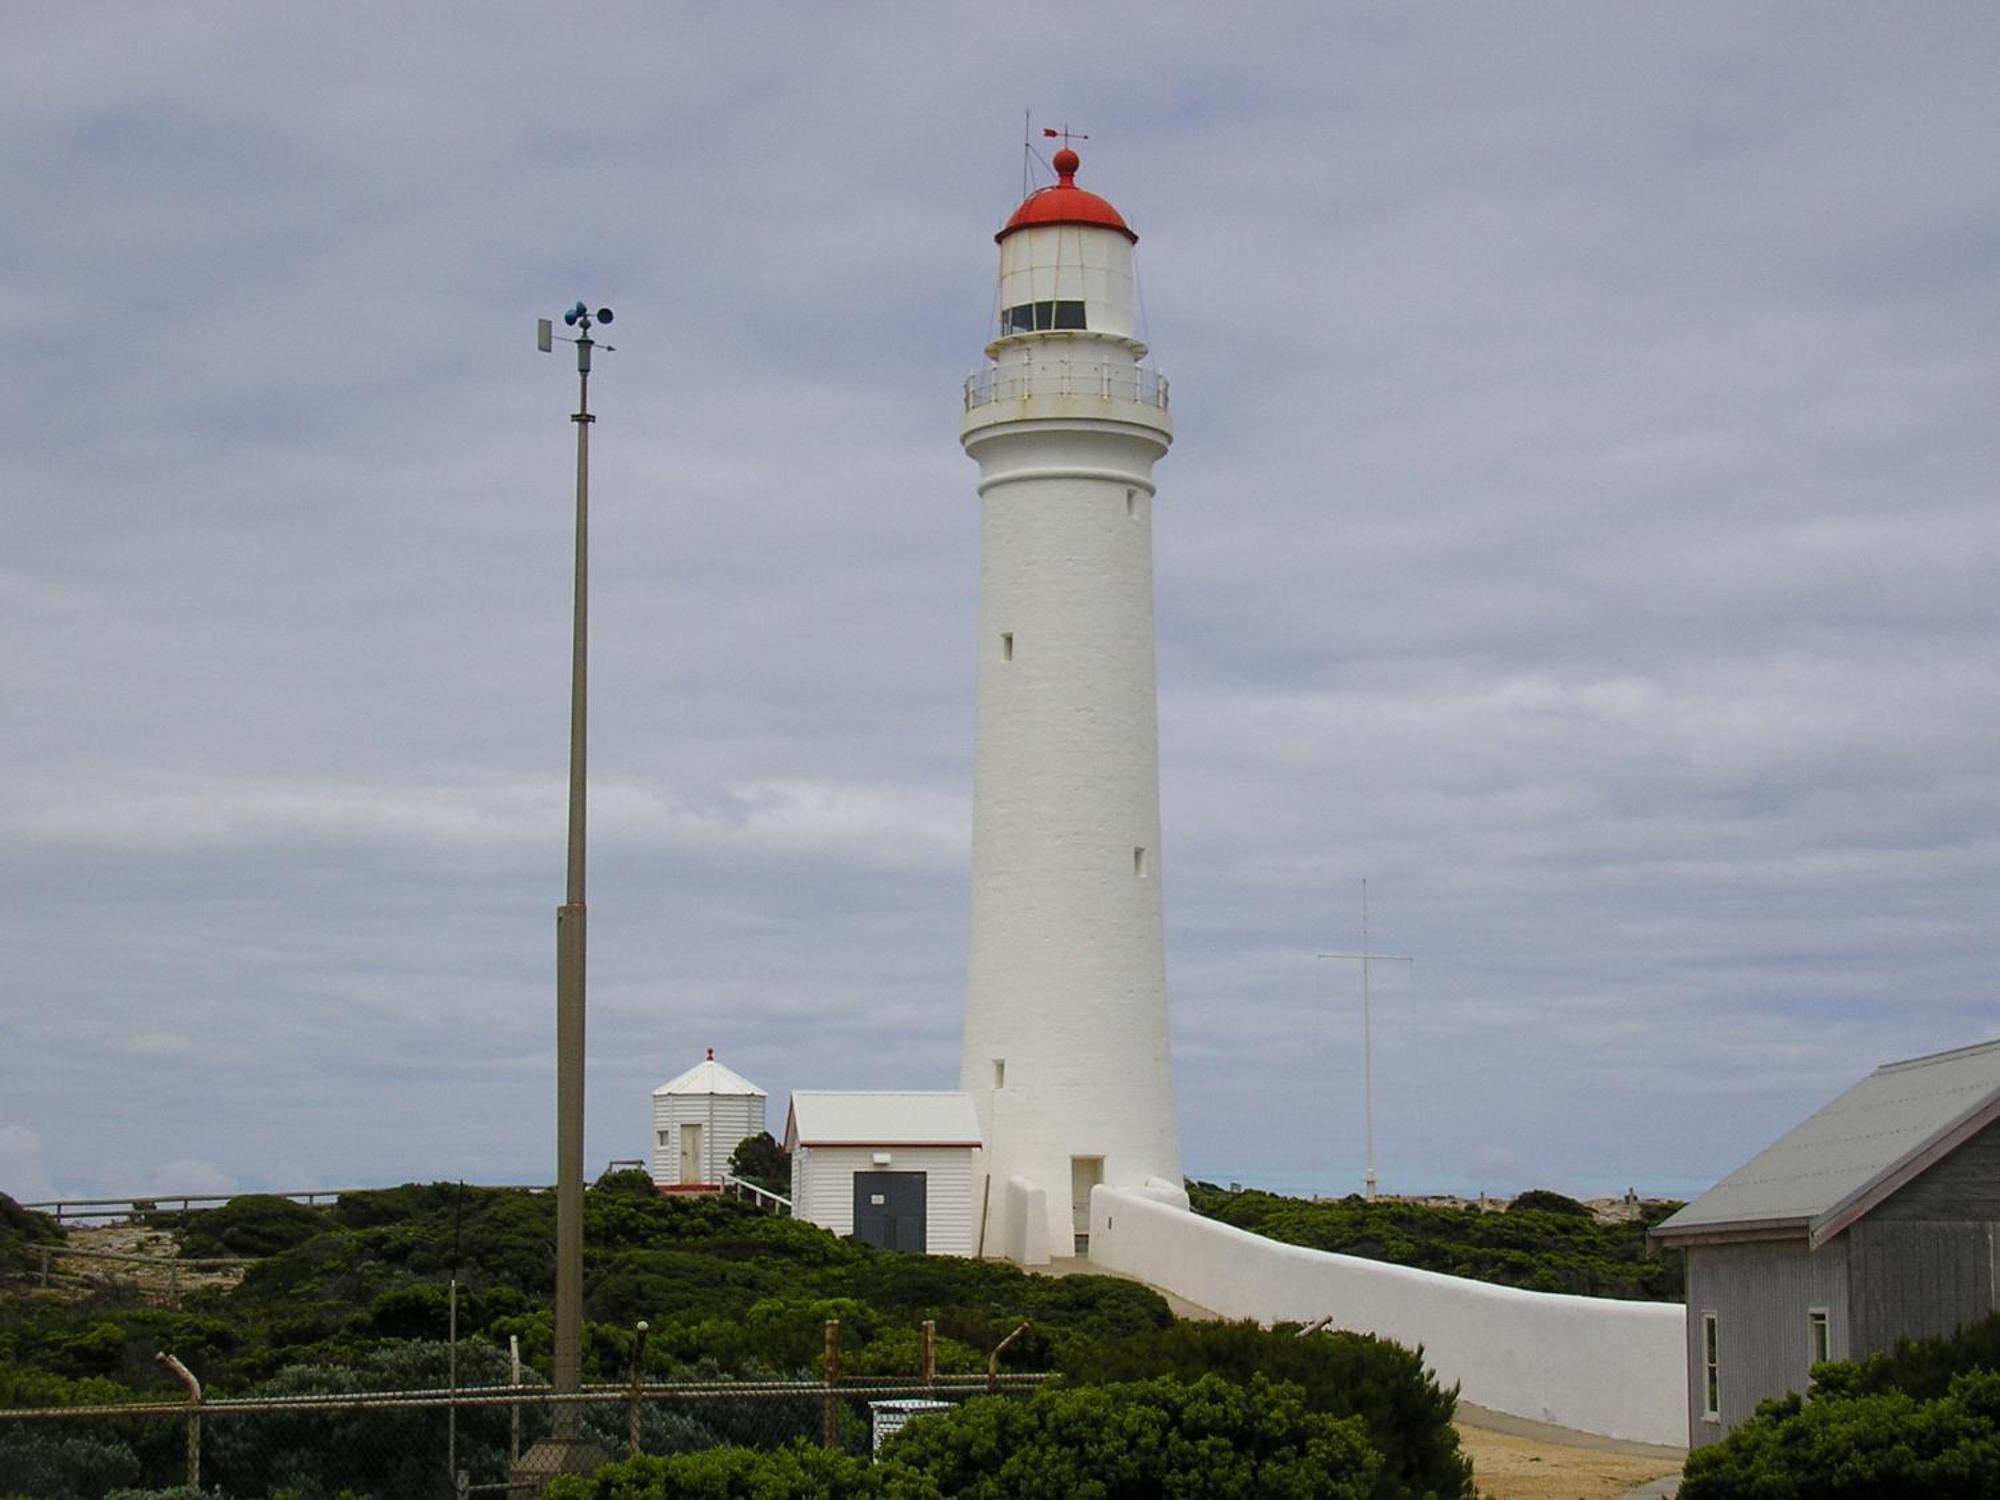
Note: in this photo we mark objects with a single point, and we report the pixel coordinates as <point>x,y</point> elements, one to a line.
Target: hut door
<point>889,1209</point>
<point>690,1154</point>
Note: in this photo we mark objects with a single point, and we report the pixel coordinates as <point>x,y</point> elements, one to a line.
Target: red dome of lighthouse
<point>1066,203</point>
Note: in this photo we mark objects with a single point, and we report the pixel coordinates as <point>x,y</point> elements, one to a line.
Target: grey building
<point>1873,1221</point>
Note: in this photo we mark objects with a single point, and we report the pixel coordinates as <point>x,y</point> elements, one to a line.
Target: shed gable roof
<point>1833,1168</point>
<point>881,1118</point>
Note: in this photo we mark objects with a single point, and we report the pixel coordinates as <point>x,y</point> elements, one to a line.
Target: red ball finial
<point>1066,163</point>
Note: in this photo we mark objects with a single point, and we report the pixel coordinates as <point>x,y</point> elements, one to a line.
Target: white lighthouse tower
<point>1065,1052</point>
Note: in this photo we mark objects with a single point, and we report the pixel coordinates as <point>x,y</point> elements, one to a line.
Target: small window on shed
<point>1817,1337</point>
<point>1711,1370</point>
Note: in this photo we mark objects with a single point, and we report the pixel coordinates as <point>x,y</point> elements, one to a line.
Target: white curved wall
<point>1588,1363</point>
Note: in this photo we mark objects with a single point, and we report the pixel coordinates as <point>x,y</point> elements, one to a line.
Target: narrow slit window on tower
<point>999,1072</point>
<point>1139,861</point>
<point>1006,645</point>
<point>1131,505</point>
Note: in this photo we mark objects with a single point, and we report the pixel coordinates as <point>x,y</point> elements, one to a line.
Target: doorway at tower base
<point>1024,1239</point>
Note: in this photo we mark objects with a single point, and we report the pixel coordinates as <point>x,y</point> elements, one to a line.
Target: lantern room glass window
<point>1039,317</point>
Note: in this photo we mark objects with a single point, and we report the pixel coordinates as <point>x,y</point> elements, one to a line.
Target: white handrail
<point>1103,380</point>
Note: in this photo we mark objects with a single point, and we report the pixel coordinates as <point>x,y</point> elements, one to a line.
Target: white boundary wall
<point>1589,1363</point>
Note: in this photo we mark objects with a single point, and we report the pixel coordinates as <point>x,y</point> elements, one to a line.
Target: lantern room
<point>1066,263</point>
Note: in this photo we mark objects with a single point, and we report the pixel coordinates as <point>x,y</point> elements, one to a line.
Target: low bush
<point>255,1224</point>
<point>1406,1416</point>
<point>1158,1437</point>
<point>21,1229</point>
<point>1845,1445</point>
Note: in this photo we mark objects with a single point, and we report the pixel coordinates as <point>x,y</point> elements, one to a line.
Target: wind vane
<point>1029,156</point>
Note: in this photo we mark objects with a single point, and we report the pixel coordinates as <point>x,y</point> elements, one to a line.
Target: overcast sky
<point>1581,524</point>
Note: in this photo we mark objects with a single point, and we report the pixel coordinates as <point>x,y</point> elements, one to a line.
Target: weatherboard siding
<point>1963,1188</point>
<point>1923,1258</point>
<point>1917,1280</point>
<point>725,1120</point>
<point>823,1188</point>
<point>1760,1293</point>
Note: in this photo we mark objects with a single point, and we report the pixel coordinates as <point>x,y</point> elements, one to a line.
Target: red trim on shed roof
<point>891,1145</point>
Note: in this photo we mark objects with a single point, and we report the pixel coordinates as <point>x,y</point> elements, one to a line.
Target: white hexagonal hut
<point>699,1119</point>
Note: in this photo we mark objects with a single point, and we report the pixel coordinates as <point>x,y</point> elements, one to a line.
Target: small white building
<point>895,1170</point>
<point>699,1119</point>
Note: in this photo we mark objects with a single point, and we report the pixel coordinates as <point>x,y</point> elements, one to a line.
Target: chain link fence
<point>430,1445</point>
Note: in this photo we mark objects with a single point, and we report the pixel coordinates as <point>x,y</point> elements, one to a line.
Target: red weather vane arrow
<point>1064,135</point>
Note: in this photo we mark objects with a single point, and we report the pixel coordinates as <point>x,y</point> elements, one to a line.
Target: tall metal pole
<point>570,948</point>
<point>1368,958</point>
<point>568,1371</point>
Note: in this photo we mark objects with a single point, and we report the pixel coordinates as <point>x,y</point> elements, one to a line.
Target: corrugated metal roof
<point>1830,1170</point>
<point>709,1077</point>
<point>881,1118</point>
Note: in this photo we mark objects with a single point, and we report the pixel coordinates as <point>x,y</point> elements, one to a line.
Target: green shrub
<point>760,1159</point>
<point>62,1465</point>
<point>254,1224</point>
<point>1921,1368</point>
<point>798,1472</point>
<point>1406,1416</point>
<point>20,1230</point>
<point>1542,1200</point>
<point>1842,1446</point>
<point>1157,1437</point>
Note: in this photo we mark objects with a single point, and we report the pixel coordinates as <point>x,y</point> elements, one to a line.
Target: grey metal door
<point>889,1209</point>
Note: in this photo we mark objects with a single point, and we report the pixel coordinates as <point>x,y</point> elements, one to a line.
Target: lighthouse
<point>1065,1046</point>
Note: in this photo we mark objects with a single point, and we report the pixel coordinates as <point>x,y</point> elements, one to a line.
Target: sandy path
<point>1520,1465</point>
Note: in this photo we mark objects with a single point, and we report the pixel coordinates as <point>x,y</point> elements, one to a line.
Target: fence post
<point>185,1376</point>
<point>930,1351</point>
<point>514,1406</point>
<point>993,1359</point>
<point>829,1414</point>
<point>638,1376</point>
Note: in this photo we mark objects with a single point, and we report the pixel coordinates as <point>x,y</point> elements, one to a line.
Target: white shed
<point>698,1120</point>
<point>895,1170</point>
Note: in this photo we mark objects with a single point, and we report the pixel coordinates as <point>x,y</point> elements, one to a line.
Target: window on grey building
<point>1817,1341</point>
<point>1711,1371</point>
